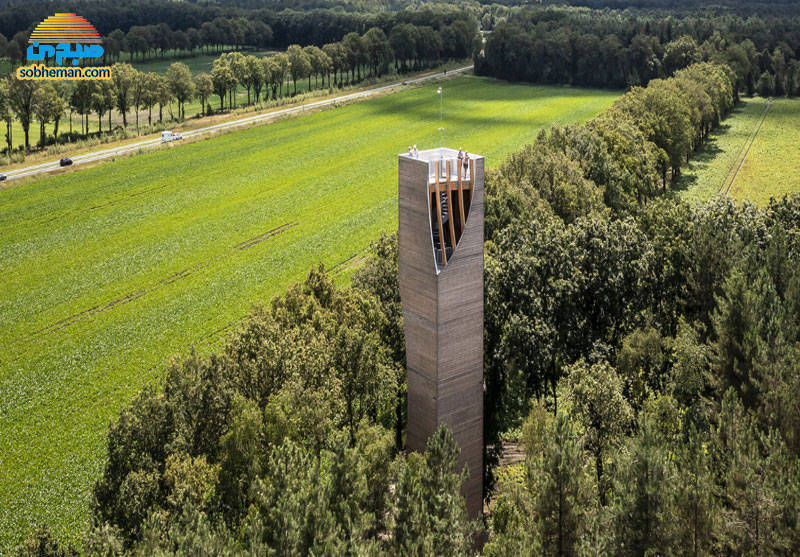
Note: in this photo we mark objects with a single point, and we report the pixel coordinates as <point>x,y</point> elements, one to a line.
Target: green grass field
<point>750,159</point>
<point>109,271</point>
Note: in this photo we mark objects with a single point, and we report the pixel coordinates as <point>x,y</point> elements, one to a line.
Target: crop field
<point>753,156</point>
<point>108,271</point>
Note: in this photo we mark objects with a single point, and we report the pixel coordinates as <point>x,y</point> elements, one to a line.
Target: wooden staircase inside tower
<point>450,199</point>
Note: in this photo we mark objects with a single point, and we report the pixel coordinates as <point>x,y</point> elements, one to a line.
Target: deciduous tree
<point>123,76</point>
<point>180,83</point>
<point>204,86</point>
<point>21,96</point>
<point>299,64</point>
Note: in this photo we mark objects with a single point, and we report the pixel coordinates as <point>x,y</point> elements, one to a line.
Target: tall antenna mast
<point>441,117</point>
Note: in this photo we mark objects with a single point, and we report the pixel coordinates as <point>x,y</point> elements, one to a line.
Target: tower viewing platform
<point>443,163</point>
<point>450,186</point>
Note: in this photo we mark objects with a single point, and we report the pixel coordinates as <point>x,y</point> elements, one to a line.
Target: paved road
<point>263,117</point>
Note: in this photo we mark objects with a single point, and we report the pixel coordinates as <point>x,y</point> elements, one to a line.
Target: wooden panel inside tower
<point>440,237</point>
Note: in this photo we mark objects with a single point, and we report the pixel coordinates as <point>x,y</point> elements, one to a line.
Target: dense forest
<point>320,21</point>
<point>276,30</point>
<point>288,26</point>
<point>612,49</point>
<point>652,345</point>
<point>740,5</point>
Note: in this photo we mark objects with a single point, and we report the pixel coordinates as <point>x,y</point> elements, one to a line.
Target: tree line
<point>611,49</point>
<point>406,48</point>
<point>128,89</point>
<point>145,41</point>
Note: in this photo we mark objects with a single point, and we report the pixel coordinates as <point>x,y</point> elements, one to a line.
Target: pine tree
<point>595,395</point>
<point>550,512</point>
<point>562,494</point>
<point>429,512</point>
<point>696,508</point>
<point>643,501</point>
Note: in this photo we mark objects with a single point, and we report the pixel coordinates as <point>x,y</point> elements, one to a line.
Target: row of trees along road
<point>407,47</point>
<point>646,349</point>
<point>128,89</point>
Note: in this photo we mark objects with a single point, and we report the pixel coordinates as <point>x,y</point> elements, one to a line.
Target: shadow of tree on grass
<point>700,160</point>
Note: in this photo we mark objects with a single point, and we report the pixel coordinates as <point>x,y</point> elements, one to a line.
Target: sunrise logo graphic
<point>65,28</point>
<point>72,43</point>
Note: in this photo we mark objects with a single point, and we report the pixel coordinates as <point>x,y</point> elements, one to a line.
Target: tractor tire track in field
<point>123,198</point>
<point>262,237</point>
<point>745,150</point>
<point>211,338</point>
<point>116,201</point>
<point>353,261</point>
<point>170,279</point>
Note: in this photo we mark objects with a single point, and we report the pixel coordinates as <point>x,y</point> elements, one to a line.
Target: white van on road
<point>169,136</point>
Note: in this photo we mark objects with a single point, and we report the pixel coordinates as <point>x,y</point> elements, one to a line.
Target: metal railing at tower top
<point>439,167</point>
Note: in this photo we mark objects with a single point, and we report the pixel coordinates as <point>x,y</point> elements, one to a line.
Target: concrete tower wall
<point>443,322</point>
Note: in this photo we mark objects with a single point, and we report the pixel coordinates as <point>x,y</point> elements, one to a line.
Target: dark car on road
<point>2,177</point>
<point>66,161</point>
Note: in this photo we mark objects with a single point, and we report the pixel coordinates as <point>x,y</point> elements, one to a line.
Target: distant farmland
<point>199,62</point>
<point>108,271</point>
<point>754,155</point>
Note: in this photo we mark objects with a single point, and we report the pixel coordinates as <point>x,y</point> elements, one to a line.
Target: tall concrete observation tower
<point>441,286</point>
